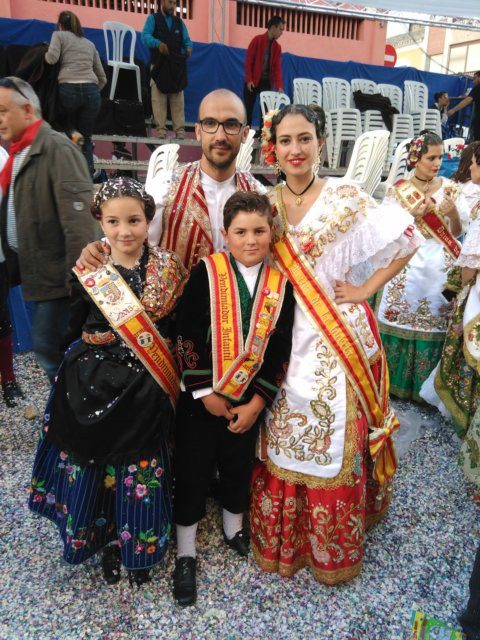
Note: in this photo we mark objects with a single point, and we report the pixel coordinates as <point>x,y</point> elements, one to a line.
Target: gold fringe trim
<point>321,575</point>
<point>351,446</point>
<point>372,519</point>
<point>409,334</point>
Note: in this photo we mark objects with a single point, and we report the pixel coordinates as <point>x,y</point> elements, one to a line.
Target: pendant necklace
<point>426,180</point>
<point>299,199</point>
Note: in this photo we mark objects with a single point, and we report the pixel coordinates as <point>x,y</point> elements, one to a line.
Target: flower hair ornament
<point>415,150</point>
<point>267,145</point>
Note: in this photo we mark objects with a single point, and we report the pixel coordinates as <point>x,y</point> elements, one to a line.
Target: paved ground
<point>420,556</point>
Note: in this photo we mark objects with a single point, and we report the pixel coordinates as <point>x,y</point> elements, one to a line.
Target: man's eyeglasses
<point>10,84</point>
<point>231,127</point>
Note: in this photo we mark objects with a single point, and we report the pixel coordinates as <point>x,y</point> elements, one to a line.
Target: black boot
<point>137,577</point>
<point>111,564</point>
<point>184,581</point>
<point>11,393</point>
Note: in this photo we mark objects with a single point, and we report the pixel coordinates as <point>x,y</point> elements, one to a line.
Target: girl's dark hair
<point>476,154</point>
<point>462,174</point>
<point>312,113</point>
<point>70,22</point>
<point>438,95</point>
<point>246,201</point>
<point>122,187</point>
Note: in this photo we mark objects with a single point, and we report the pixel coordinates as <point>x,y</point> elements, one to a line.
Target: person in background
<point>44,220</point>
<point>462,176</point>
<point>81,78</point>
<point>263,64</point>
<point>412,311</point>
<point>473,97</point>
<point>166,35</point>
<point>470,618</point>
<point>441,104</point>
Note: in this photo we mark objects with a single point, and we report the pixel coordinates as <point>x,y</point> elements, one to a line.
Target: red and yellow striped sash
<point>126,315</point>
<point>327,318</point>
<point>235,363</point>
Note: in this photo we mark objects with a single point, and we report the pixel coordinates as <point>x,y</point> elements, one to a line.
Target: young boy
<point>234,341</point>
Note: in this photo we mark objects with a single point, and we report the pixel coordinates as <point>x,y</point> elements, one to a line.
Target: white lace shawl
<point>357,235</point>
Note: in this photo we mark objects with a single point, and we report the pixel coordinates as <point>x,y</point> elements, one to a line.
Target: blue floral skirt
<point>94,506</point>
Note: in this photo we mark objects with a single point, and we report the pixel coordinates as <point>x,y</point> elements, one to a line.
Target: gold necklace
<point>299,199</point>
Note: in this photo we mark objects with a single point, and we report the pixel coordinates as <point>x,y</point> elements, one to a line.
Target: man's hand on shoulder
<point>93,256</point>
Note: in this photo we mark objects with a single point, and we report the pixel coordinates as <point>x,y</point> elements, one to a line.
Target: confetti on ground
<point>419,558</point>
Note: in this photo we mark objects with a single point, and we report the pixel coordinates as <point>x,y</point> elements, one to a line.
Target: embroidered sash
<point>187,228</point>
<point>126,315</point>
<point>235,363</point>
<point>327,318</point>
<point>410,198</point>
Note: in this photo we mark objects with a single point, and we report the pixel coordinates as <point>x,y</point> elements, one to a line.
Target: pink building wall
<point>368,48</point>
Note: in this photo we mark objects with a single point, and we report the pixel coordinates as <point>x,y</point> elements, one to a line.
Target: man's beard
<point>221,164</point>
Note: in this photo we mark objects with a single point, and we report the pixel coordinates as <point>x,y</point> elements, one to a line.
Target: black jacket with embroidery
<point>194,341</point>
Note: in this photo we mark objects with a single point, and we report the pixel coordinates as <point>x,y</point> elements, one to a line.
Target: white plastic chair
<point>336,94</point>
<point>452,143</point>
<point>244,157</point>
<point>363,85</point>
<point>118,33</point>
<point>3,157</point>
<point>164,158</point>
<point>415,96</point>
<point>398,170</point>
<point>368,159</point>
<point>427,119</point>
<point>394,93</point>
<point>402,130</point>
<point>307,91</point>
<point>272,100</point>
<point>372,121</point>
<point>346,127</point>
<point>327,151</point>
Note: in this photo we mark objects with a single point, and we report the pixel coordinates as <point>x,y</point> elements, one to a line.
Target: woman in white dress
<point>329,456</point>
<point>413,312</point>
<point>470,191</point>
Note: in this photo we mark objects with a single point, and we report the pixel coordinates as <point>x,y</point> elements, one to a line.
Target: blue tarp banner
<point>216,65</point>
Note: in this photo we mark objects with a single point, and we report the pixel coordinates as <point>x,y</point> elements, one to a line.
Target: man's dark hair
<point>248,202</point>
<point>275,21</point>
<point>477,73</point>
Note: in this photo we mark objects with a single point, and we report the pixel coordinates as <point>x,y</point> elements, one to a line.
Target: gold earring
<point>277,167</point>
<point>317,164</point>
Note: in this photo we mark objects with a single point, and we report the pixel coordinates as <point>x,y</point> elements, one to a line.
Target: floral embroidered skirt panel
<point>124,498</point>
<point>314,496</point>
<point>413,316</point>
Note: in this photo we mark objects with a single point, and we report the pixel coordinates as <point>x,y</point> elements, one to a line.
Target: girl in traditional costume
<point>330,458</point>
<point>413,312</point>
<point>102,471</point>
<point>454,387</point>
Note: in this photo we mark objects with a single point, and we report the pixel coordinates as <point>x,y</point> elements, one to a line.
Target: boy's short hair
<point>249,201</point>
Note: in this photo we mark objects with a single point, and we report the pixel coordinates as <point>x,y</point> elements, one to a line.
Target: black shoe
<point>240,542</point>
<point>11,393</point>
<point>184,582</point>
<point>137,577</point>
<point>465,620</point>
<point>111,564</point>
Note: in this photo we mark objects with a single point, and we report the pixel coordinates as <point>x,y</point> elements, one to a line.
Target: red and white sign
<point>390,56</point>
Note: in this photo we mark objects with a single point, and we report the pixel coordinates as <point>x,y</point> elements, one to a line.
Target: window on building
<point>299,21</point>
<point>464,58</point>
<point>184,7</point>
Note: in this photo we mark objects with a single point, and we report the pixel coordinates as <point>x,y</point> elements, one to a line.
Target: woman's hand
<point>420,209</point>
<point>345,292</point>
<point>93,256</point>
<point>447,205</point>
<point>218,405</point>
<point>246,415</point>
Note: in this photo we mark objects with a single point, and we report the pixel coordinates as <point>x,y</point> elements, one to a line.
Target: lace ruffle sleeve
<point>470,253</point>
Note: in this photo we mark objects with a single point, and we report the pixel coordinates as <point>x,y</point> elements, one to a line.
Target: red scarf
<point>26,140</point>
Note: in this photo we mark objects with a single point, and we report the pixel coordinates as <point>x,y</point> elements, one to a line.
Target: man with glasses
<point>190,200</point>
<point>44,214</point>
